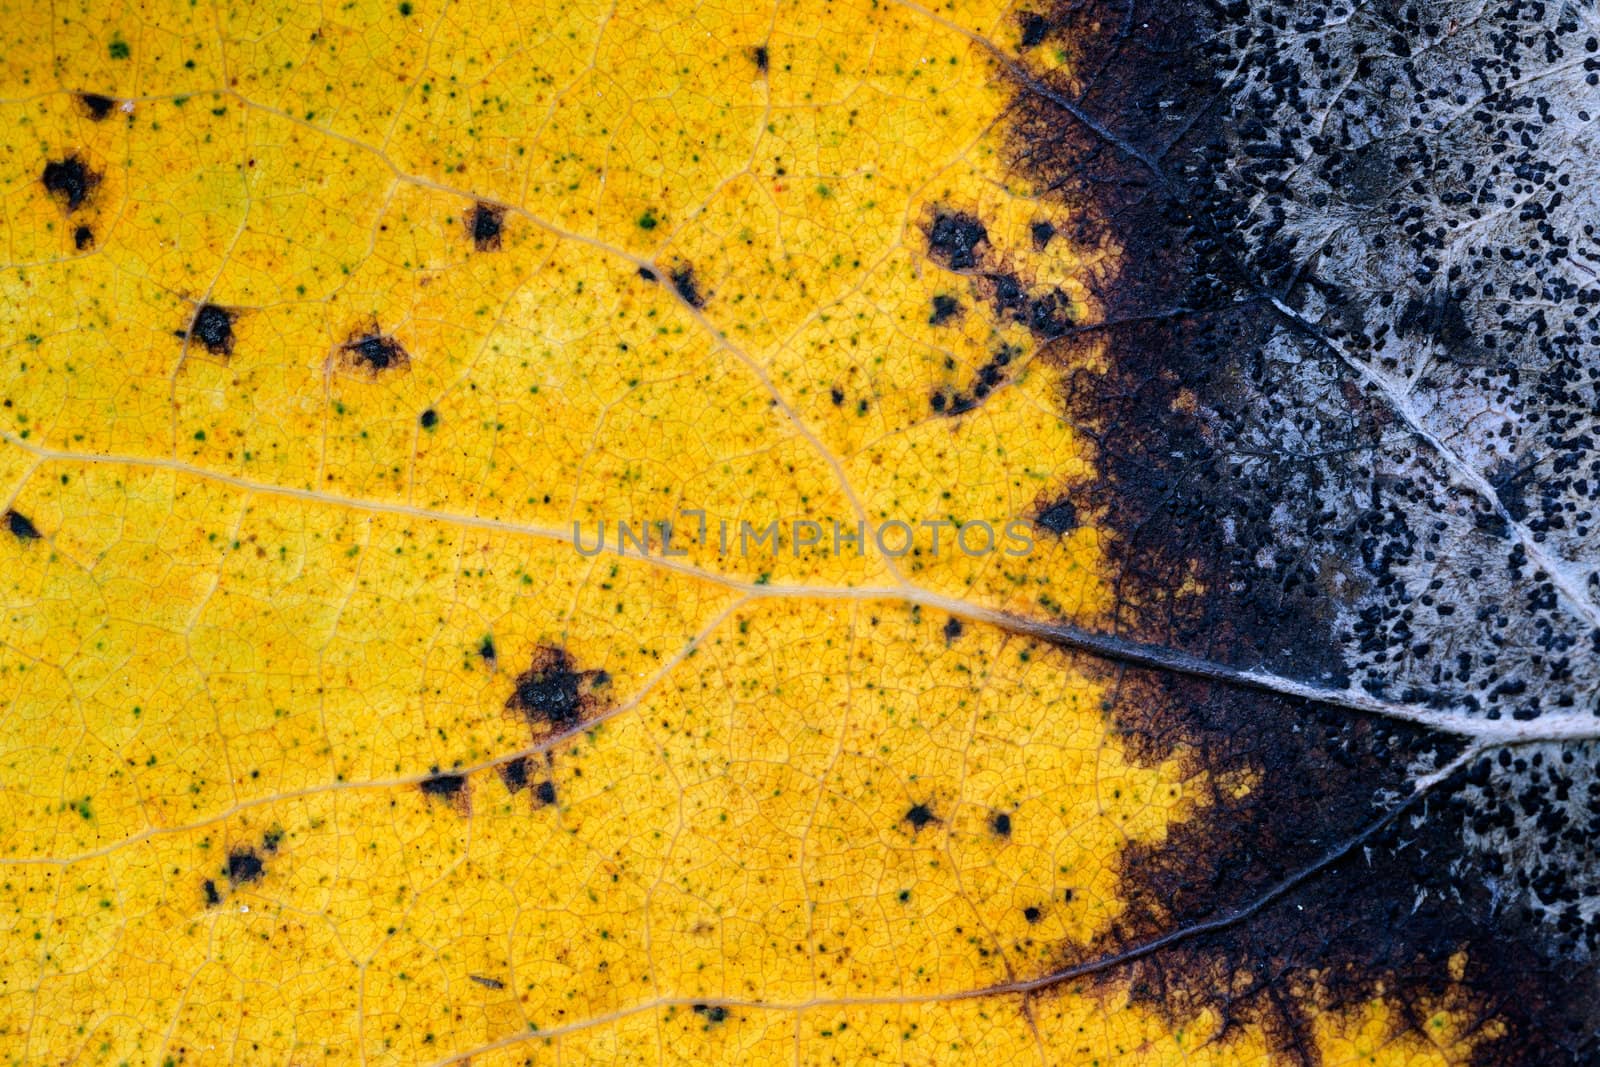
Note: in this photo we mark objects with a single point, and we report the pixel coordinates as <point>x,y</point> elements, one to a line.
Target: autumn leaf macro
<point>838,532</point>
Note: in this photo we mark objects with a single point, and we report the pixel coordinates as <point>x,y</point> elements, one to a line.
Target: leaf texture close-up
<point>834,532</point>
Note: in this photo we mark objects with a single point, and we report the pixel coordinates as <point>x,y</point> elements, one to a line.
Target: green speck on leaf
<point>119,48</point>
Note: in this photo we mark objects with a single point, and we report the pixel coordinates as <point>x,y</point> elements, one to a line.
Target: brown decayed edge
<point>1308,892</point>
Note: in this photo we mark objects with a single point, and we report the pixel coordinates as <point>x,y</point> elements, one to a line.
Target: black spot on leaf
<point>1032,914</point>
<point>649,275</point>
<point>1041,233</point>
<point>683,280</point>
<point>836,395</point>
<point>244,866</point>
<point>83,238</point>
<point>213,898</point>
<point>485,223</point>
<point>69,180</point>
<point>1034,28</point>
<point>428,419</point>
<point>1060,518</point>
<point>1000,823</point>
<point>486,651</point>
<point>212,327</point>
<point>952,628</point>
<point>97,106</point>
<point>759,54</point>
<point>21,527</point>
<point>954,237</point>
<point>442,785</point>
<point>714,1013</point>
<point>919,816</point>
<point>545,792</point>
<point>373,350</point>
<point>945,308</point>
<point>552,693</point>
<point>487,982</point>
<point>514,774</point>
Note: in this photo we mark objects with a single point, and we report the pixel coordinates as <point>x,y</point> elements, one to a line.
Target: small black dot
<point>759,54</point>
<point>515,774</point>
<point>22,527</point>
<point>243,866</point>
<point>1059,518</point>
<point>446,786</point>
<point>1001,824</point>
<point>429,419</point>
<point>713,1012</point>
<point>69,179</point>
<point>96,105</point>
<point>1034,28</point>
<point>1031,914</point>
<point>944,309</point>
<point>213,328</point>
<point>836,395</point>
<point>952,629</point>
<point>919,816</point>
<point>954,237</point>
<point>545,792</point>
<point>648,275</point>
<point>213,898</point>
<point>375,351</point>
<point>83,238</point>
<point>683,280</point>
<point>485,224</point>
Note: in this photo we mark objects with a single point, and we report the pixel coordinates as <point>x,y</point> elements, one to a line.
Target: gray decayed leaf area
<point>1417,185</point>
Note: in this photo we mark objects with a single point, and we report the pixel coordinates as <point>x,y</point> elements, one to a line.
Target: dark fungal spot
<point>649,275</point>
<point>271,840</point>
<point>1032,914</point>
<point>21,527</point>
<point>952,628</point>
<point>514,773</point>
<point>759,54</point>
<point>96,105</point>
<point>683,280</point>
<point>69,180</point>
<point>945,308</point>
<point>244,866</point>
<point>375,351</point>
<point>83,238</point>
<point>954,237</point>
<point>1060,518</point>
<point>836,395</point>
<point>442,785</point>
<point>950,402</point>
<point>485,223</point>
<point>1034,28</point>
<point>545,792</point>
<point>487,982</point>
<point>1041,232</point>
<point>552,693</point>
<point>428,419</point>
<point>714,1013</point>
<point>919,816</point>
<point>213,898</point>
<point>1001,824</point>
<point>212,326</point>
<point>486,650</point>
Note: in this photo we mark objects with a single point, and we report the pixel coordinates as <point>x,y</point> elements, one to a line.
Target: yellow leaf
<point>326,741</point>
